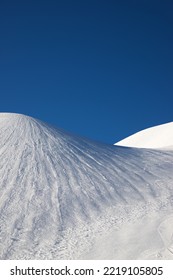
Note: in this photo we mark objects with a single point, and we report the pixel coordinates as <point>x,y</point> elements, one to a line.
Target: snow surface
<point>66,197</point>
<point>160,136</point>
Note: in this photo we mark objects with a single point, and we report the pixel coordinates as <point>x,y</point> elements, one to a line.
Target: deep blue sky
<point>101,69</point>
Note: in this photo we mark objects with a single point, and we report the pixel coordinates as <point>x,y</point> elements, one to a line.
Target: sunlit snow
<point>160,136</point>
<point>66,197</point>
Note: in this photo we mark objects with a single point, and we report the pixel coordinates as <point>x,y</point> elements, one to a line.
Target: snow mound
<point>157,137</point>
<point>61,194</point>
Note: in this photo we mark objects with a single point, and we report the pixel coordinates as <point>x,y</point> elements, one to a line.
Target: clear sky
<point>101,69</point>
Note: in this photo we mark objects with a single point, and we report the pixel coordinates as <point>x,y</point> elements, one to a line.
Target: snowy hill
<point>66,197</point>
<point>157,137</point>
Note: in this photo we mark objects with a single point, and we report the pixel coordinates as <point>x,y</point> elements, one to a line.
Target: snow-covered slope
<point>160,136</point>
<point>66,197</point>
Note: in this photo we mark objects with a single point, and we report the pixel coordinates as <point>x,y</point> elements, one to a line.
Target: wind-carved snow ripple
<point>54,186</point>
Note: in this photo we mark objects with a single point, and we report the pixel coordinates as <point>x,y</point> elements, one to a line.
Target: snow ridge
<point>56,188</point>
<point>157,137</point>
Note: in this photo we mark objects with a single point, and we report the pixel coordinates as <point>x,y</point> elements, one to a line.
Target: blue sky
<point>101,69</point>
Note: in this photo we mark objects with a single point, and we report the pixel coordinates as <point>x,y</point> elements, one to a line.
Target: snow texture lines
<point>60,194</point>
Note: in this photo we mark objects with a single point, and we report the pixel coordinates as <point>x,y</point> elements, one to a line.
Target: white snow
<point>157,137</point>
<point>66,197</point>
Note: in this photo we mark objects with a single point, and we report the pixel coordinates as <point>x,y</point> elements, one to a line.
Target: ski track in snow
<point>66,197</point>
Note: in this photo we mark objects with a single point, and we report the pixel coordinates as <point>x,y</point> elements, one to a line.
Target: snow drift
<point>66,197</point>
<point>160,136</point>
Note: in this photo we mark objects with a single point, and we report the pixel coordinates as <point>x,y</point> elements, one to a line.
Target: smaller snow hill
<point>157,137</point>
